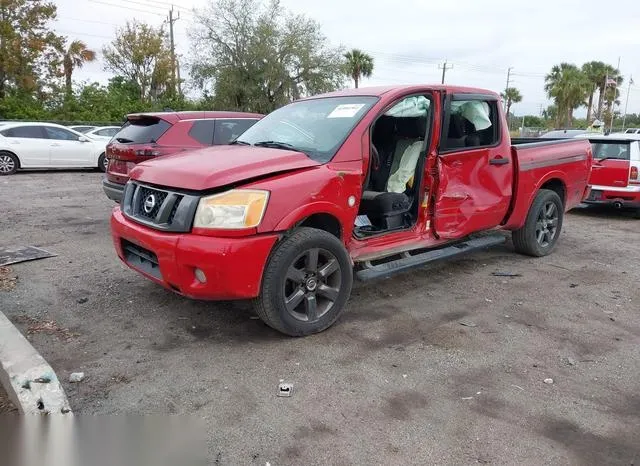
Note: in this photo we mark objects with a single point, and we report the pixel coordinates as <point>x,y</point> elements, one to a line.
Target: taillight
<point>633,174</point>
<point>154,151</point>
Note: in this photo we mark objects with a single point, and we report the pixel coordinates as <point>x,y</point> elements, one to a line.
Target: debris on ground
<point>467,398</point>
<point>22,254</point>
<point>82,300</point>
<point>573,285</point>
<point>285,389</point>
<point>506,274</point>
<point>7,281</point>
<point>571,361</point>
<point>49,327</point>
<point>467,323</point>
<point>76,377</point>
<point>548,381</point>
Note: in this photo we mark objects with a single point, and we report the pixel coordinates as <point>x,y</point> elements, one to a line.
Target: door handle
<point>498,160</point>
<point>55,144</point>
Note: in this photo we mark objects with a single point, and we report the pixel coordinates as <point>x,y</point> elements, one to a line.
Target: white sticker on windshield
<point>345,111</point>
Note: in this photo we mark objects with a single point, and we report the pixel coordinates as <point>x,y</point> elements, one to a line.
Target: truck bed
<point>563,165</point>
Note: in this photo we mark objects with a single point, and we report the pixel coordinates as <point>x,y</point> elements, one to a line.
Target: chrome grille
<point>158,208</point>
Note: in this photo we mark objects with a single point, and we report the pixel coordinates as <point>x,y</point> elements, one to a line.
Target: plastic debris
<point>467,323</point>
<point>285,389</point>
<point>548,381</point>
<point>76,377</point>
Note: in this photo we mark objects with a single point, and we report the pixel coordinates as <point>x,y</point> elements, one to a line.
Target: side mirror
<point>83,139</point>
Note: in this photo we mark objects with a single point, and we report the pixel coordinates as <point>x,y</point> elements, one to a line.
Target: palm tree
<point>568,86</point>
<point>511,95</point>
<point>359,65</point>
<point>76,55</point>
<point>596,73</point>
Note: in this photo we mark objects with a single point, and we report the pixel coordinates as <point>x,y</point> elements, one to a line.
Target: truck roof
<point>379,91</point>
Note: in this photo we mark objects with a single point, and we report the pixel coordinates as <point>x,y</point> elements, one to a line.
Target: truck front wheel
<point>539,235</point>
<point>306,283</point>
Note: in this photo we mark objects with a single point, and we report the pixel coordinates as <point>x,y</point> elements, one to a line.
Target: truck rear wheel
<point>306,283</point>
<point>539,235</point>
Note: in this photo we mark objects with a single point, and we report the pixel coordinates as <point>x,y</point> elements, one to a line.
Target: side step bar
<point>408,261</point>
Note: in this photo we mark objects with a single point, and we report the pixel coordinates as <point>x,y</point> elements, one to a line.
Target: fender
<point>521,209</point>
<point>320,207</point>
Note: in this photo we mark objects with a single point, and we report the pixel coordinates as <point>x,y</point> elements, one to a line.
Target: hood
<point>218,166</point>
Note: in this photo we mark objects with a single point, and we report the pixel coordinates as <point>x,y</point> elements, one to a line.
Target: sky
<point>411,39</point>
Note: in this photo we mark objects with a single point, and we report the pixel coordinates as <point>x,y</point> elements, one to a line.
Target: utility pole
<point>626,104</point>
<point>506,89</point>
<point>172,20</point>
<point>444,67</point>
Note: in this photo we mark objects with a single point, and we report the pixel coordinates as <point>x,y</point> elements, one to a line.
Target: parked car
<point>47,145</point>
<point>632,131</point>
<point>104,133</point>
<point>82,128</point>
<point>614,177</point>
<point>148,135</point>
<point>373,181</point>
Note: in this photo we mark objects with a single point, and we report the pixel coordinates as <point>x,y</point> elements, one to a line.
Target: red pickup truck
<point>361,182</point>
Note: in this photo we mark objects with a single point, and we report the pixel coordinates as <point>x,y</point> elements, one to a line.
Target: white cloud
<point>408,38</point>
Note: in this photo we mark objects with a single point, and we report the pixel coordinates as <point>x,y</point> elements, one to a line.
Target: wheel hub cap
<point>312,284</point>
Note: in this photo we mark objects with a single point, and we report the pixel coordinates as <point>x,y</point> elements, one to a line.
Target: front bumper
<point>605,195</point>
<point>233,266</point>
<point>114,191</point>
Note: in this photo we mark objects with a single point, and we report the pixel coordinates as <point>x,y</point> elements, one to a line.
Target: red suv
<point>148,135</point>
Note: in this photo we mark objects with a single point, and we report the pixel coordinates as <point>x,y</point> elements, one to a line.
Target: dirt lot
<point>437,366</point>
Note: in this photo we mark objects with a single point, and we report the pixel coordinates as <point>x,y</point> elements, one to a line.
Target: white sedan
<point>103,133</point>
<point>46,145</point>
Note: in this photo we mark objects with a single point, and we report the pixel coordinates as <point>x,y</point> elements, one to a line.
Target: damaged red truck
<point>361,183</point>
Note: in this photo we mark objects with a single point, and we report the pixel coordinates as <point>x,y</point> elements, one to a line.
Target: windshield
<point>317,127</point>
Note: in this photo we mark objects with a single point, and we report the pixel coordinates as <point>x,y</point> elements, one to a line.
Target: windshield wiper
<point>276,145</point>
<point>124,140</point>
<point>242,143</point>
<point>609,158</point>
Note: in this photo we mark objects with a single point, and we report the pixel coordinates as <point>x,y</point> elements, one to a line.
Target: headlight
<point>235,209</point>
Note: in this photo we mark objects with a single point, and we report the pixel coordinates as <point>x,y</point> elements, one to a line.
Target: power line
<point>88,21</point>
<point>126,7</point>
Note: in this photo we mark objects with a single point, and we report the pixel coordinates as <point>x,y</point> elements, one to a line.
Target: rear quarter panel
<point>536,164</point>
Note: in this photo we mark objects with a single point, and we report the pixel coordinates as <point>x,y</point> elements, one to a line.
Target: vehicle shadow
<point>605,212</point>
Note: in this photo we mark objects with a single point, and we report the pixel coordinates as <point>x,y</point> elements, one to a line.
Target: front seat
<point>388,210</point>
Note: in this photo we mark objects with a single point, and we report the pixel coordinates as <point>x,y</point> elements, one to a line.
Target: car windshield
<point>317,127</point>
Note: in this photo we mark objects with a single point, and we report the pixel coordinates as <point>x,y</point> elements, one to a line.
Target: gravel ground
<point>445,365</point>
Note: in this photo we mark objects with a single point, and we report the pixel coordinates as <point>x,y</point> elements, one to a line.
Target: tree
<point>140,54</point>
<point>75,56</point>
<point>512,96</point>
<point>28,48</point>
<point>567,85</point>
<point>358,65</point>
<point>258,57</point>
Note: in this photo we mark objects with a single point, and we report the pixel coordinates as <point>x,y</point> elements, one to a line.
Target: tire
<point>539,235</point>
<point>9,163</point>
<point>102,162</point>
<point>316,295</point>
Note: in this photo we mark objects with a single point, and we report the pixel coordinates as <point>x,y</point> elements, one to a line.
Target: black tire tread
<point>101,162</point>
<point>263,303</point>
<point>521,237</point>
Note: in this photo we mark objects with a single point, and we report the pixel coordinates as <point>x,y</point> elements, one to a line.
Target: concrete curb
<point>29,381</point>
